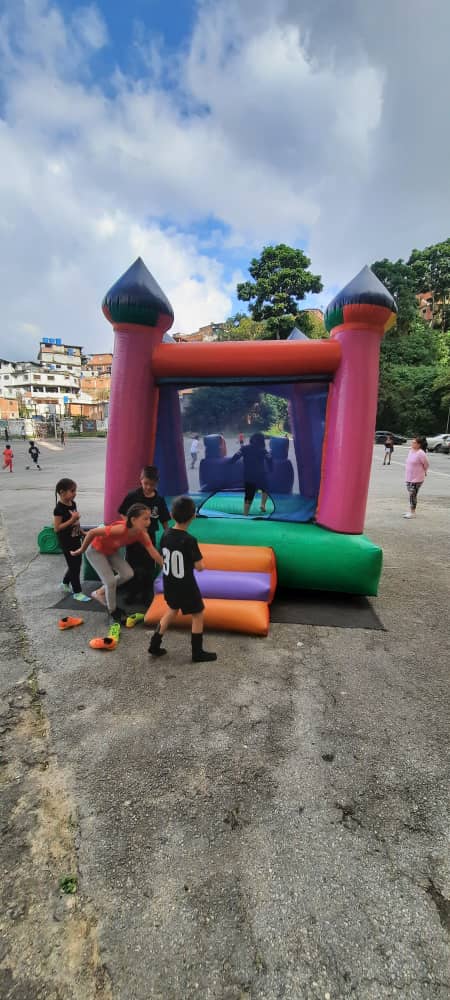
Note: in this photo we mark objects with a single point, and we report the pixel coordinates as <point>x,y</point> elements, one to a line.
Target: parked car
<point>439,443</point>
<point>380,437</point>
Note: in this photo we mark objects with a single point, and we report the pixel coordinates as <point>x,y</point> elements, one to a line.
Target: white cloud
<point>285,121</point>
<point>90,27</point>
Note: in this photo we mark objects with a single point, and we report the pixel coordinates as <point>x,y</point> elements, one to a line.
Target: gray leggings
<point>106,568</point>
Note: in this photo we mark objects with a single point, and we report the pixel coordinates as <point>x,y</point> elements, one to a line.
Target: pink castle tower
<point>140,314</point>
<point>358,318</point>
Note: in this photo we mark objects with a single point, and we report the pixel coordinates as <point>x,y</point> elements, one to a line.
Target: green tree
<point>431,272</point>
<point>418,347</point>
<point>408,399</point>
<point>311,324</point>
<point>213,409</point>
<point>281,280</point>
<point>219,408</point>
<point>242,327</point>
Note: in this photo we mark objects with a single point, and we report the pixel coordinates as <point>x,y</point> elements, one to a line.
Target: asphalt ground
<point>274,825</point>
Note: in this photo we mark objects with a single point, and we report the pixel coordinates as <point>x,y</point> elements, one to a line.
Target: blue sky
<point>193,134</point>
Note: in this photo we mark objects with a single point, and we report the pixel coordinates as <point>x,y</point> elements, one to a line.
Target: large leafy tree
<point>414,380</point>
<point>431,273</point>
<point>281,279</point>
<point>234,408</point>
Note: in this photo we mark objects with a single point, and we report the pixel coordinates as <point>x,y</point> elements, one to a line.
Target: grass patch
<point>68,884</point>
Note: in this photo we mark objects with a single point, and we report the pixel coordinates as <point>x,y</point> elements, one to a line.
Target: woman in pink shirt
<point>417,466</point>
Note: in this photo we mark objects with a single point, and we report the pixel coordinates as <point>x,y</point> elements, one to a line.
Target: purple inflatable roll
<point>229,585</point>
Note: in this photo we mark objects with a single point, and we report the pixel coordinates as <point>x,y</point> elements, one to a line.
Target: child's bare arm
<point>92,533</point>
<point>199,565</point>
<point>153,552</point>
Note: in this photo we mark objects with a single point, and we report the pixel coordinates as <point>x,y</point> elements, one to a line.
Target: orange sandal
<point>70,622</point>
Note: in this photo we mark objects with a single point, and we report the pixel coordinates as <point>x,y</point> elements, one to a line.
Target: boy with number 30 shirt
<point>181,556</point>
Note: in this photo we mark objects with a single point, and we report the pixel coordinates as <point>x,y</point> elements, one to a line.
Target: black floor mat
<point>290,607</point>
<point>68,602</point>
<point>316,607</point>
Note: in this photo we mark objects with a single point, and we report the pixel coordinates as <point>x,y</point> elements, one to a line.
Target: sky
<point>193,133</point>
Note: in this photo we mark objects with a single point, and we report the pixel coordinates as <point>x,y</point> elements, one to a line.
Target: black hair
<point>423,442</point>
<point>63,485</point>
<point>150,472</point>
<point>258,441</point>
<point>134,511</point>
<point>183,510</point>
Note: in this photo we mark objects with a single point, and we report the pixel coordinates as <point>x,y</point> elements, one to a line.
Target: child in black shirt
<point>181,556</point>
<point>34,453</point>
<point>141,586</point>
<point>66,523</point>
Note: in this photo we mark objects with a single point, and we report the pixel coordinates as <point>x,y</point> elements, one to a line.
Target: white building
<point>47,385</point>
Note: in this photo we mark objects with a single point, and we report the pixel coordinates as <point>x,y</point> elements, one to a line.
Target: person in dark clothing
<point>66,523</point>
<point>256,461</point>
<point>34,453</point>
<point>140,588</point>
<point>181,555</point>
<point>388,449</point>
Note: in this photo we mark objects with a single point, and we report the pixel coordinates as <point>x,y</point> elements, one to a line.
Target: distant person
<point>8,457</point>
<point>6,434</point>
<point>388,449</point>
<point>34,453</point>
<point>102,550</point>
<point>141,586</point>
<point>241,440</point>
<point>417,466</point>
<point>23,433</point>
<point>195,443</point>
<point>256,462</point>
<point>62,436</point>
<point>181,556</point>
<point>66,524</point>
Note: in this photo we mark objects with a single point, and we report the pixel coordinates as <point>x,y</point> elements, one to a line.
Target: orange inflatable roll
<point>261,357</point>
<point>251,617</point>
<point>241,559</point>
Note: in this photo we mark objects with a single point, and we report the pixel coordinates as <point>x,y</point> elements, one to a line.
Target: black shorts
<point>250,490</point>
<point>189,603</point>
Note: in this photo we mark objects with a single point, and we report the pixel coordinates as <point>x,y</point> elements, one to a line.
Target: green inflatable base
<point>308,557</point>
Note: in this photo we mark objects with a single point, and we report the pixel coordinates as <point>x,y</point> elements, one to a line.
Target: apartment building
<point>57,356</point>
<point>9,409</point>
<point>99,364</point>
<point>96,376</point>
<point>47,385</point>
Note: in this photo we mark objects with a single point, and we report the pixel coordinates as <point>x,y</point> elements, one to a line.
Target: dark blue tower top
<point>137,298</point>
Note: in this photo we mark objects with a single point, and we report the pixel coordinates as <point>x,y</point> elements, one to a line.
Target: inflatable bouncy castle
<point>316,528</point>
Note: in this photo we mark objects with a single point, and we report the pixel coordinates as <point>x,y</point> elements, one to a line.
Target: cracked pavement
<point>274,825</point>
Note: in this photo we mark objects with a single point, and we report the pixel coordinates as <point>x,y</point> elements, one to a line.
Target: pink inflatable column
<point>358,317</point>
<point>140,314</point>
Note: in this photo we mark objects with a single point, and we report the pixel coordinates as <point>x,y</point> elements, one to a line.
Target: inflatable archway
<point>332,383</point>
